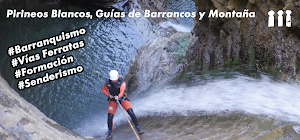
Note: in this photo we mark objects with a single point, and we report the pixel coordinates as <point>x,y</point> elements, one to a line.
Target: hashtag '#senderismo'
<point>21,85</point>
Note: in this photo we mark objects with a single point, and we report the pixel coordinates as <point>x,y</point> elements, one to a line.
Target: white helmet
<point>113,75</point>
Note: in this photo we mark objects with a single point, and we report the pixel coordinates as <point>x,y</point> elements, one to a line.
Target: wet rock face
<point>100,4</point>
<point>21,120</point>
<point>159,61</point>
<point>246,44</point>
<point>42,5</point>
<point>156,5</point>
<point>31,5</point>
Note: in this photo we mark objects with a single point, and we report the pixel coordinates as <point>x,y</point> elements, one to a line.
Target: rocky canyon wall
<point>245,44</point>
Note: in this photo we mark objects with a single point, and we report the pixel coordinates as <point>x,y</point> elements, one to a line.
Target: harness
<point>124,97</point>
<point>114,91</point>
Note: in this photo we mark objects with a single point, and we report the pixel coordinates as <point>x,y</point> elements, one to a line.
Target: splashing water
<point>256,96</point>
<point>177,27</point>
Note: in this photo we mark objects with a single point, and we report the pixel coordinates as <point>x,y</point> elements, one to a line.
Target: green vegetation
<point>297,65</point>
<point>235,65</point>
<point>227,63</point>
<point>274,135</point>
<point>236,62</point>
<point>252,59</point>
<point>293,77</point>
<point>181,78</point>
<point>182,46</point>
<point>251,69</point>
<point>179,46</point>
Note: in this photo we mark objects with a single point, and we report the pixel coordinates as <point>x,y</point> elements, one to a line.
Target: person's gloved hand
<point>116,98</point>
<point>110,96</point>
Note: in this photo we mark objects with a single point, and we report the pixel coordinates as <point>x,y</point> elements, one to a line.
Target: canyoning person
<point>114,88</point>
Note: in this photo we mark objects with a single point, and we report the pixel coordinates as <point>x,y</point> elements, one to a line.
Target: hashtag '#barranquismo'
<point>11,51</point>
<point>21,85</point>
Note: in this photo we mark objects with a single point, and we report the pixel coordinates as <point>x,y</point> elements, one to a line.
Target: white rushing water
<point>256,96</point>
<point>177,27</point>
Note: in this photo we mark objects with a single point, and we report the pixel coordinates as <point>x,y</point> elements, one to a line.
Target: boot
<point>140,131</point>
<point>109,135</point>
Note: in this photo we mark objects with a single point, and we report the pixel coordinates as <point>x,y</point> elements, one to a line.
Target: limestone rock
<point>21,120</point>
<point>157,62</point>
